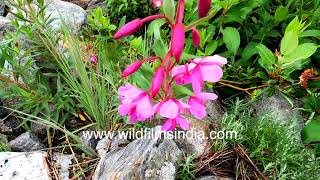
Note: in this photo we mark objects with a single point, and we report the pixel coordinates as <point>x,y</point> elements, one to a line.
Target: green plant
<point>271,144</point>
<point>100,22</point>
<point>187,168</point>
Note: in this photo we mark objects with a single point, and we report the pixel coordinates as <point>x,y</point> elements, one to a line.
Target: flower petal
<point>144,108</point>
<point>198,108</point>
<point>184,124</point>
<point>211,73</point>
<point>169,109</point>
<point>207,96</point>
<point>169,125</point>
<point>216,59</point>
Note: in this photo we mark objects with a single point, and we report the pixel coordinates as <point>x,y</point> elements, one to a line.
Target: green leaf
<point>169,8</point>
<point>231,38</point>
<point>299,55</point>
<point>160,48</point>
<point>267,58</point>
<point>281,13</point>
<point>310,33</point>
<point>211,47</point>
<point>311,132</point>
<point>289,43</point>
<point>250,50</point>
<point>182,91</point>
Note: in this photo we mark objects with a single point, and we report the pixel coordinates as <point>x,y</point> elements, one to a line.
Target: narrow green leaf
<point>310,33</point>
<point>301,53</point>
<point>231,38</point>
<point>289,43</point>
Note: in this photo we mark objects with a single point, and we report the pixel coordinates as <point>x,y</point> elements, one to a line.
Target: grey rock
<point>26,142</point>
<point>5,26</point>
<point>279,109</point>
<point>97,3</point>
<point>2,9</point>
<point>73,15</point>
<point>106,145</point>
<point>91,142</point>
<point>10,125</point>
<point>199,144</point>
<point>81,3</point>
<point>214,110</point>
<point>149,158</point>
<point>212,178</point>
<point>38,129</point>
<point>62,162</point>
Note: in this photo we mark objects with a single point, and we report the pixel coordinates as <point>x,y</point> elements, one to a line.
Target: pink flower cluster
<point>142,105</point>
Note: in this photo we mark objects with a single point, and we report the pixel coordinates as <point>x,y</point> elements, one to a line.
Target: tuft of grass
<point>274,146</point>
<point>187,168</point>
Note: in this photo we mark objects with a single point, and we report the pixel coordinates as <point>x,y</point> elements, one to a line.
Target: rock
<point>62,162</point>
<point>214,111</point>
<point>73,15</point>
<point>148,158</point>
<point>89,141</point>
<point>39,129</point>
<point>26,142</point>
<point>106,145</point>
<point>212,178</point>
<point>18,165</point>
<point>4,27</point>
<point>199,143</point>
<point>10,125</point>
<point>3,111</point>
<point>279,110</point>
<point>81,3</point>
<point>2,9</point>
<point>97,3</point>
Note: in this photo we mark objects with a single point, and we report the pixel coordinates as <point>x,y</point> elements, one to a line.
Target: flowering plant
<point>141,105</point>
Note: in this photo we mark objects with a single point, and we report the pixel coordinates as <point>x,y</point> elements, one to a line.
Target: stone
<point>106,145</point>
<point>214,111</point>
<point>81,3</point>
<point>147,158</point>
<point>21,165</point>
<point>212,178</point>
<point>279,109</point>
<point>26,142</point>
<point>97,3</point>
<point>91,142</point>
<point>62,162</point>
<point>4,27</point>
<point>73,15</point>
<point>39,129</point>
<point>199,144</point>
<point>2,9</point>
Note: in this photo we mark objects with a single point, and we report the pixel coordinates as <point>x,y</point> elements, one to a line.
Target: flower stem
<point>157,16</point>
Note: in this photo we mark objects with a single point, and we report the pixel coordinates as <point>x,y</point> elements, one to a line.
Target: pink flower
<point>135,102</point>
<point>199,70</point>
<point>195,37</point>
<point>203,8</point>
<point>171,109</point>
<point>132,68</point>
<point>157,3</point>
<point>93,59</point>
<point>197,103</point>
<point>177,41</point>
<point>157,81</point>
<point>128,29</point>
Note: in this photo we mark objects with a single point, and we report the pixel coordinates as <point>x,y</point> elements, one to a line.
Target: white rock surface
<point>63,161</point>
<point>24,166</point>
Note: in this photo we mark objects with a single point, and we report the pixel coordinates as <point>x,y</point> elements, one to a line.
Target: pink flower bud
<point>132,68</point>
<point>157,3</point>
<point>93,59</point>
<point>177,41</point>
<point>203,8</point>
<point>195,37</point>
<point>157,81</point>
<point>128,29</point>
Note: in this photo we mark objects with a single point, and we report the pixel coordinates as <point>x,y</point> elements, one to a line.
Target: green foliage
<point>100,22</point>
<point>311,132</point>
<point>270,143</point>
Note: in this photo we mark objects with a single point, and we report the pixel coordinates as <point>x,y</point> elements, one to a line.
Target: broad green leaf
<point>289,43</point>
<point>311,132</point>
<point>182,91</point>
<point>231,38</point>
<point>250,50</point>
<point>189,4</point>
<point>299,55</point>
<point>154,28</point>
<point>281,13</point>
<point>160,48</point>
<point>310,33</point>
<point>211,47</point>
<point>169,8</point>
<point>267,58</point>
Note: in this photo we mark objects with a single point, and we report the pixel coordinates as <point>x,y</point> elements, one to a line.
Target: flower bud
<point>132,68</point>
<point>203,8</point>
<point>195,37</point>
<point>157,3</point>
<point>128,29</point>
<point>93,59</point>
<point>157,81</point>
<point>177,41</point>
